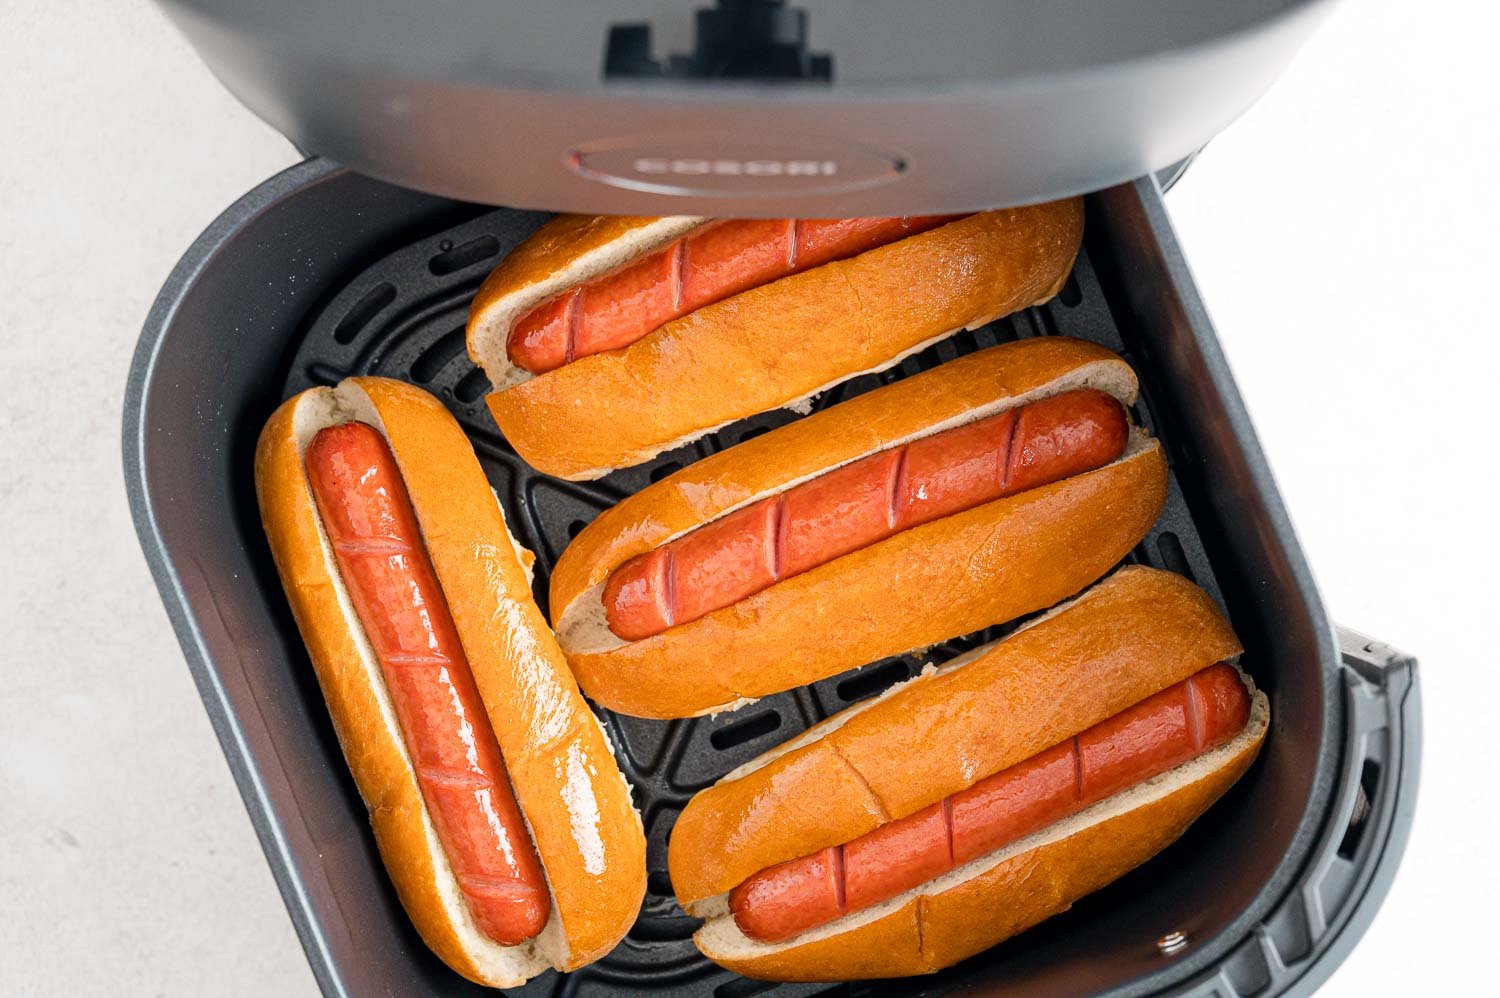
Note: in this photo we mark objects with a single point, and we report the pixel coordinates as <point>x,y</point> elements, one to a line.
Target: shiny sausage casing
<point>1143,741</point>
<point>377,543</point>
<point>863,502</point>
<point>711,263</point>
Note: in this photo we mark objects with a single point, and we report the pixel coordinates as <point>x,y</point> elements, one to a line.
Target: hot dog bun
<point>576,803</point>
<point>566,251</point>
<point>923,585</point>
<point>772,346</point>
<point>1138,632</point>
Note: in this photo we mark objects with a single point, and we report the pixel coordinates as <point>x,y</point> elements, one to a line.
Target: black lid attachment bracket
<point>762,40</point>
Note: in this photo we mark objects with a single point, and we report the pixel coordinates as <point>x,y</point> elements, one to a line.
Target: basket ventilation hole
<point>436,357</point>
<point>363,311</point>
<point>464,255</point>
<point>749,729</point>
<point>471,386</point>
<point>868,682</point>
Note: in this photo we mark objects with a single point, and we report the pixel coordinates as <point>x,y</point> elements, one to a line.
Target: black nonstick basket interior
<point>397,307</point>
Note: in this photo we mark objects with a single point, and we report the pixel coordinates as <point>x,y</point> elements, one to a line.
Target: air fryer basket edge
<point>214,638</point>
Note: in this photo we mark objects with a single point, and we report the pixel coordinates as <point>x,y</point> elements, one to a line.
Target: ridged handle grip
<point>1302,941</point>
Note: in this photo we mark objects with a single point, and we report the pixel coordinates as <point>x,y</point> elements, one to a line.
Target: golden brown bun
<point>558,243</point>
<point>768,347</point>
<point>1132,635</point>
<point>563,253</point>
<point>924,585</point>
<point>1137,632</point>
<point>986,902</point>
<point>577,804</point>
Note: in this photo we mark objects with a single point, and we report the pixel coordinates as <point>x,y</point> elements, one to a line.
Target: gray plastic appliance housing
<point>942,106</point>
<point>321,272</point>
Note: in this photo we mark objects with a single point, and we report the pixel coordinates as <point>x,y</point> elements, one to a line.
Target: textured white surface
<point>127,863</point>
<point>1343,234</point>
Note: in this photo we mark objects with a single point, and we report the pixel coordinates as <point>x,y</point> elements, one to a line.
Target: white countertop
<point>1343,234</point>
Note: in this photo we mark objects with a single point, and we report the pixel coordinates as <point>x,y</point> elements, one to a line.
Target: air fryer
<point>363,260</point>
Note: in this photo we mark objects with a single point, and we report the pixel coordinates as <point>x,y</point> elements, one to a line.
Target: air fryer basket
<point>321,273</point>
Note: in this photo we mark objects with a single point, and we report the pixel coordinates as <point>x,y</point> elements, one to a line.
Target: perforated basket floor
<point>404,317</point>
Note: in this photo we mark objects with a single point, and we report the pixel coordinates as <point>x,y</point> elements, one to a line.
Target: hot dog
<point>918,828</point>
<point>713,262</point>
<point>378,548</point>
<point>467,737</point>
<point>609,340</point>
<point>1159,733</point>
<point>859,504</point>
<point>986,488</point>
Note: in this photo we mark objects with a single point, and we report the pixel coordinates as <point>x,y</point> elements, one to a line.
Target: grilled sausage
<point>861,503</point>
<point>708,265</point>
<point>378,547</point>
<point>1143,741</point>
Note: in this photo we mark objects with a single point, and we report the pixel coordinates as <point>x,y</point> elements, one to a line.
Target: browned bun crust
<point>550,249</point>
<point>1137,632</point>
<point>774,345</point>
<point>933,931</point>
<point>576,802</point>
<point>952,576</point>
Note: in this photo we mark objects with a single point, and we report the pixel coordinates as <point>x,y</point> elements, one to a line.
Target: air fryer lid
<point>749,107</point>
